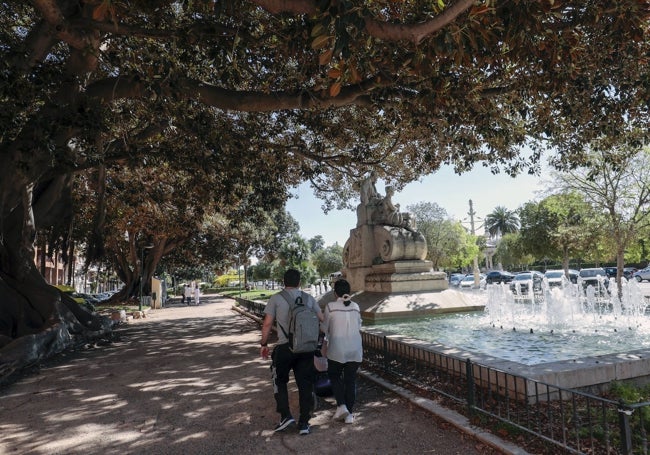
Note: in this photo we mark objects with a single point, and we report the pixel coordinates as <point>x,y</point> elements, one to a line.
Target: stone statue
<point>384,252</point>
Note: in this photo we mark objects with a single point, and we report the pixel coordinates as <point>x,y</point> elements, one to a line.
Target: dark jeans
<point>343,377</point>
<point>304,373</point>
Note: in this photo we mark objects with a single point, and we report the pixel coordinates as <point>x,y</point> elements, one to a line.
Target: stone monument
<point>385,262</point>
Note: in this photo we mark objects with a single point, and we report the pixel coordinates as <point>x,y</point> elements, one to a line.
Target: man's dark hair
<point>341,287</point>
<point>292,278</point>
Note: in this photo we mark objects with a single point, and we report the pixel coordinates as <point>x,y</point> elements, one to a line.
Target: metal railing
<point>574,421</point>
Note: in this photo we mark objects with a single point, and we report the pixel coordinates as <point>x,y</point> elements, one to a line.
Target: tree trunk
<point>36,319</point>
<point>620,264</point>
<point>565,261</point>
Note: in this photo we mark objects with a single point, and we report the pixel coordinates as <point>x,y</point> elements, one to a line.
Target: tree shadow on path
<point>192,383</point>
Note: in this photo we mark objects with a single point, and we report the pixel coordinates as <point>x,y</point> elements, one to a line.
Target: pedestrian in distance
<point>187,292</point>
<point>284,360</point>
<point>197,294</point>
<point>342,329</point>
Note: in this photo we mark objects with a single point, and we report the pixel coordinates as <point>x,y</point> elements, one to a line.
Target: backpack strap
<point>287,297</point>
<point>285,294</point>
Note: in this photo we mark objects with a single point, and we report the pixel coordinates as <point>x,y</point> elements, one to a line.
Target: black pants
<point>303,371</point>
<point>343,377</point>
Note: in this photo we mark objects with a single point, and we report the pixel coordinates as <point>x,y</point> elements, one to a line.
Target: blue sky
<point>450,191</point>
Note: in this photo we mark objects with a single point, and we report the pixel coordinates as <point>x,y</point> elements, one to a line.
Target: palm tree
<point>501,221</point>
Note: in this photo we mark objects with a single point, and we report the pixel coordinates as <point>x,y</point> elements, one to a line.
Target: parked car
<point>455,278</point>
<point>627,272</point>
<point>499,276</point>
<point>89,298</point>
<point>643,274</point>
<point>79,298</point>
<point>468,281</point>
<point>610,271</point>
<point>104,296</point>
<point>556,278</point>
<point>521,282</point>
<point>596,277</point>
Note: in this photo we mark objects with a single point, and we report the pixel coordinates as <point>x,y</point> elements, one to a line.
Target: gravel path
<point>189,380</point>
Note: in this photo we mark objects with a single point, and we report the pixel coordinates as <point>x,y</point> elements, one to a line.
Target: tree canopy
<point>264,94</point>
<point>560,227</point>
<point>449,245</point>
<point>615,183</point>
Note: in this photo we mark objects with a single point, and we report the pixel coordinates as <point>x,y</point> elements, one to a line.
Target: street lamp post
<point>146,247</point>
<point>475,269</point>
<point>239,276</point>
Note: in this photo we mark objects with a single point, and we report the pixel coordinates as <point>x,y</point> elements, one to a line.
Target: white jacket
<point>342,326</point>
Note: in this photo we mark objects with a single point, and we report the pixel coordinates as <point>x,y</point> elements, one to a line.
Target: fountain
<point>567,335</point>
<point>564,335</point>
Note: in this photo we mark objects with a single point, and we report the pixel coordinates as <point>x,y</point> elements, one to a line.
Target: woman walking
<point>342,328</point>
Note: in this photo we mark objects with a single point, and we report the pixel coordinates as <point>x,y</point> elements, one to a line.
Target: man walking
<point>284,360</point>
<point>187,293</point>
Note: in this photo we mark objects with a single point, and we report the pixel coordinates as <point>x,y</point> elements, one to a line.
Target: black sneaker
<point>284,423</point>
<point>304,428</point>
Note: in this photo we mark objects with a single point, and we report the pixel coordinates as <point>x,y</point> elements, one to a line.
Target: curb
<point>457,420</point>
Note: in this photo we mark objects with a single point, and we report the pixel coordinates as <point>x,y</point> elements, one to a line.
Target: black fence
<point>566,419</point>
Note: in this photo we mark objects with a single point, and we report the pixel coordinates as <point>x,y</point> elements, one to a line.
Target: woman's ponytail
<point>342,290</point>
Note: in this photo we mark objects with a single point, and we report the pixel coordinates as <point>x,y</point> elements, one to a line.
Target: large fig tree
<point>268,93</point>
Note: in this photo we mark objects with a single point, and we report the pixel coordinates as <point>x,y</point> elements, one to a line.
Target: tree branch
<point>198,29</point>
<point>114,88</point>
<point>52,14</point>
<point>386,31</point>
<point>251,101</point>
<point>37,45</point>
<point>111,89</point>
<point>415,33</point>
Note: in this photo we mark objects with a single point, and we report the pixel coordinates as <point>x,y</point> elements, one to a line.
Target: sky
<point>450,191</point>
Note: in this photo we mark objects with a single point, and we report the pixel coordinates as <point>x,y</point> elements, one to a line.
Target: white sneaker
<point>341,412</point>
<point>349,418</point>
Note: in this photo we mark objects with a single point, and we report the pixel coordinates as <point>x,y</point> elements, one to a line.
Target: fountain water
<point>568,307</point>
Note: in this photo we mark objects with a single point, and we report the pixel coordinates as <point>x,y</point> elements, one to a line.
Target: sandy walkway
<point>188,380</point>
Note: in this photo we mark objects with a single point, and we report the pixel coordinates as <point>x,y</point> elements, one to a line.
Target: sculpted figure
<point>389,212</point>
<point>369,194</point>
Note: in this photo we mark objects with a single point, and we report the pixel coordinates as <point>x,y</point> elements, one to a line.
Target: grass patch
<point>255,294</point>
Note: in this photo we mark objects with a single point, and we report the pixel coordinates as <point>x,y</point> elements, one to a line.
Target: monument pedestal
<point>385,258</point>
<point>394,306</point>
<point>404,276</point>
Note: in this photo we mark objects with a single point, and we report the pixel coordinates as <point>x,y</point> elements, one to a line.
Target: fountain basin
<point>590,373</point>
<point>566,338</point>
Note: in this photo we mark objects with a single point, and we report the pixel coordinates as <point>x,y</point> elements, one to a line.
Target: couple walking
<point>341,324</point>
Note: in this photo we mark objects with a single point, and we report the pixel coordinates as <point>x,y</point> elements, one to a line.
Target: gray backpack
<point>303,330</point>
